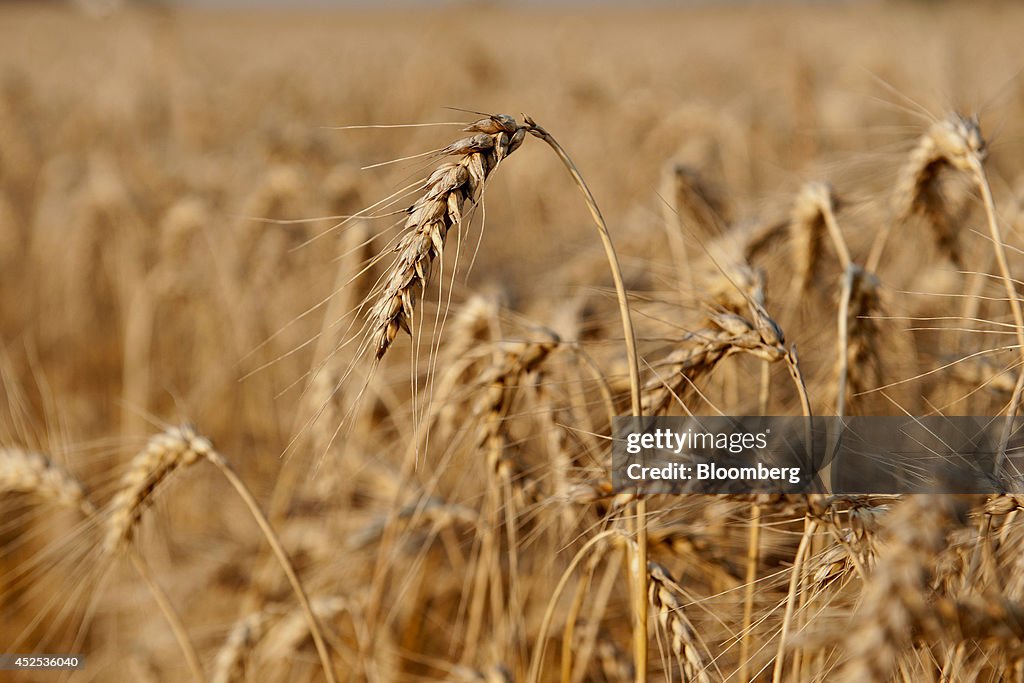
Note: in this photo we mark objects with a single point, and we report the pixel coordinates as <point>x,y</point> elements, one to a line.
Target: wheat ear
<point>162,456</point>
<point>729,334</point>
<point>440,208</point>
<point>29,472</point>
<point>446,192</point>
<point>664,595</point>
<point>951,143</point>
<point>895,599</point>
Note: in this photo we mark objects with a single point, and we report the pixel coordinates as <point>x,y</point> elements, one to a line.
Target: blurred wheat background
<point>794,203</point>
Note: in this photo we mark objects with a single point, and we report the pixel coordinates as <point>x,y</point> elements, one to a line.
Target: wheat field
<point>309,348</point>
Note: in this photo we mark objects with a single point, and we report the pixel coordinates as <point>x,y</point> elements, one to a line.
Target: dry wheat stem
<point>598,545</point>
<point>795,579</point>
<point>167,608</point>
<point>843,337</point>
<point>975,164</point>
<point>629,335</point>
<point>569,629</point>
<point>753,556</point>
<point>275,544</point>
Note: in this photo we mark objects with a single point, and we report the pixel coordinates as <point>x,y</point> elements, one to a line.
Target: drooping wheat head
<point>446,193</point>
<point>24,471</point>
<point>948,144</point>
<point>163,455</point>
<point>701,351</point>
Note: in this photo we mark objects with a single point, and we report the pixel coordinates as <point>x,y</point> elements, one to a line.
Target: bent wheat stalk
<point>447,191</point>
<point>976,165</point>
<point>30,472</point>
<point>164,454</point>
<point>639,562</point>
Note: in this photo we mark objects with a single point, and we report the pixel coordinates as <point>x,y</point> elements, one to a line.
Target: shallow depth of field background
<point>138,290</point>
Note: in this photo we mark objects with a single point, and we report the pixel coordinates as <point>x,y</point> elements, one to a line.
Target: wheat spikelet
<point>29,472</point>
<point>165,453</point>
<point>446,193</point>
<point>735,286</point>
<point>1004,504</point>
<point>829,565</point>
